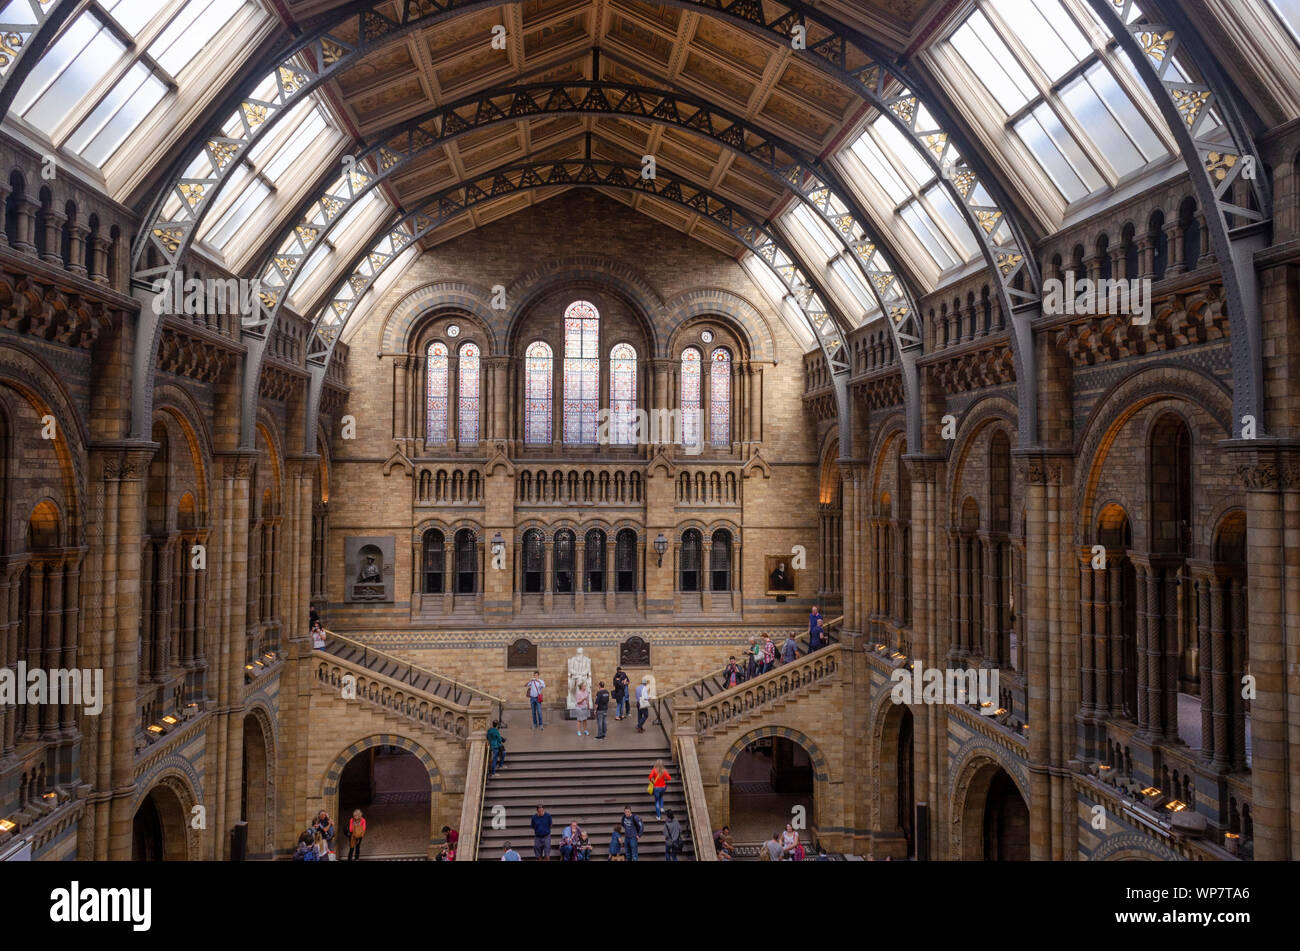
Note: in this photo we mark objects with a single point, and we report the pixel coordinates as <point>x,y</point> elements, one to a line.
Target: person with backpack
<point>602,710</point>
<point>621,698</point>
<point>356,832</point>
<point>305,851</point>
<point>535,688</point>
<point>633,829</point>
<point>672,838</point>
<point>659,779</point>
<point>789,650</point>
<point>496,749</point>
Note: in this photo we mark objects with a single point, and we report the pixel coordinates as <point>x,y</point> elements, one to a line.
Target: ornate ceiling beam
<point>789,168</point>
<point>438,209</point>
<point>1217,170</point>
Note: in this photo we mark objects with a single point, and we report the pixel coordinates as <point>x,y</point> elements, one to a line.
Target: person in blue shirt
<point>510,855</point>
<point>541,823</point>
<point>816,637</point>
<point>616,843</point>
<point>633,828</point>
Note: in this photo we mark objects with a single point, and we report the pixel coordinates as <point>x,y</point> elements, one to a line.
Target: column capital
<point>237,464</point>
<point>124,461</point>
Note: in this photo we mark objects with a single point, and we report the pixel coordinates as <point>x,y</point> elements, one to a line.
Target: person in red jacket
<point>356,831</point>
<point>659,779</point>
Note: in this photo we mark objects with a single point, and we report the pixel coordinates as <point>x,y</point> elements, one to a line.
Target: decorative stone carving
<point>579,673</point>
<point>368,567</point>
<point>521,655</point>
<point>634,652</point>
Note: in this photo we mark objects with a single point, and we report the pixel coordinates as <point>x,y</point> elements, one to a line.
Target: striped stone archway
<point>821,770</point>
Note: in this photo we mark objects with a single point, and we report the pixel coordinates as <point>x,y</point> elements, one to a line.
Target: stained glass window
<point>581,372</point>
<point>467,386</point>
<point>436,393</point>
<point>537,394</point>
<point>622,395</point>
<point>720,397</point>
<point>691,396</point>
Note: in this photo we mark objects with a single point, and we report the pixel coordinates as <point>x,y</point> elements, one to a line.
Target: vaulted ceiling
<point>625,41</point>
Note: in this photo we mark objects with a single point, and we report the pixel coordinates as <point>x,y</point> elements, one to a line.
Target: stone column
<point>548,575</point>
<point>579,571</point>
<point>756,402</point>
<point>1237,651</point>
<point>76,262</point>
<point>1087,642</point>
<point>611,572</point>
<point>52,227</point>
<point>1140,654</point>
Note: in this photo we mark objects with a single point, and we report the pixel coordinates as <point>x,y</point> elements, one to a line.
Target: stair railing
<point>476,769</point>
<point>458,693</point>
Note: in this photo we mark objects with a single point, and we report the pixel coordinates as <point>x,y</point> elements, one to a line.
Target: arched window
<point>433,561</point>
<point>622,395</point>
<point>534,555</point>
<point>466,562</point>
<point>467,390</point>
<point>720,561</point>
<point>563,561</point>
<point>435,433</point>
<point>581,372</point>
<point>692,407</point>
<point>692,542</point>
<point>537,394</point>
<point>594,561</point>
<point>720,398</point>
<point>625,560</point>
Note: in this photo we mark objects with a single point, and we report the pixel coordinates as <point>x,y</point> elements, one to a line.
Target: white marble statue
<point>579,673</point>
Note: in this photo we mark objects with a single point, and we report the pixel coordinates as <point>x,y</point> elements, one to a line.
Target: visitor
<point>821,854</point>
<point>791,850</point>
<point>582,704</point>
<point>658,783</point>
<point>356,832</point>
<point>323,851</point>
<point>616,845</point>
<point>769,653</point>
<point>633,828</point>
<point>569,841</point>
<point>535,688</point>
<point>452,836</point>
<point>672,838</point>
<point>305,851</point>
<point>541,823</point>
<point>789,650</point>
<point>732,675</point>
<point>496,748</point>
<point>642,704</point>
<point>771,850</point>
<point>621,695</point>
<point>317,636</point>
<point>755,664</point>
<point>313,618</point>
<point>602,710</point>
<point>815,630</point>
<point>583,852</point>
<point>325,827</point>
<point>510,855</point>
<point>722,844</point>
<point>445,854</point>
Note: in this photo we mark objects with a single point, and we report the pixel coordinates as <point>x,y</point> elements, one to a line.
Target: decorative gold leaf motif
<point>988,220</point>
<point>905,109</point>
<point>307,235</point>
<point>358,282</point>
<point>286,265</point>
<point>1190,102</point>
<point>331,52</point>
<point>340,307</point>
<point>331,206</point>
<point>937,143</point>
<point>377,260</point>
<point>1008,262</point>
<point>169,238</point>
<point>899,314</point>
<point>269,299</point>
<point>291,81</point>
<point>254,113</point>
<point>10,44</point>
<point>192,193</point>
<point>223,152</point>
<point>1155,45</point>
<point>964,181</point>
<point>882,281</point>
<point>1219,164</point>
<point>388,159</point>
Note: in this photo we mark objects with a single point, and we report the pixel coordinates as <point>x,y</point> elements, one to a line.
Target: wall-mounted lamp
<point>661,546</point>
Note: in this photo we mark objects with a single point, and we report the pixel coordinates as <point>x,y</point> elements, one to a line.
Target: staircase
<point>591,786</point>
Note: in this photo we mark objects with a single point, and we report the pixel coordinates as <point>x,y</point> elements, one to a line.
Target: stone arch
<point>969,777</point>
<point>174,786</point>
<point>746,320</point>
<point>1128,846</point>
<point>329,795</point>
<point>191,421</point>
<point>887,722</point>
<point>989,411</point>
<point>396,330</point>
<point>821,768</point>
<point>261,825</point>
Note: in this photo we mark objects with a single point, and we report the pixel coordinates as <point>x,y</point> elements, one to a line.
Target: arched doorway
<point>994,816</point>
<point>255,790</point>
<point>771,783</point>
<point>391,787</point>
<point>160,827</point>
<point>896,835</point>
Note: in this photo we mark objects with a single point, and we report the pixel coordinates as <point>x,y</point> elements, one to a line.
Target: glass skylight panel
<point>930,237</point>
<point>221,233</point>
<point>817,230</point>
<point>1111,121</point>
<point>63,76</point>
<point>133,15</point>
<point>902,151</point>
<point>1047,32</point>
<point>124,108</point>
<point>1058,154</point>
<point>303,137</point>
<point>1289,13</point>
<point>991,61</point>
<point>198,22</point>
<point>850,276</point>
<point>952,218</point>
<point>881,170</point>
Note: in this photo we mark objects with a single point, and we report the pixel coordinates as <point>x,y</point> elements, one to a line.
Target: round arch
<point>167,799</point>
<point>970,779</point>
<point>821,768</point>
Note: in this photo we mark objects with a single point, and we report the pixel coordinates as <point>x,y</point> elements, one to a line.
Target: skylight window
<point>1049,66</point>
<point>112,67</point>
<point>1288,11</point>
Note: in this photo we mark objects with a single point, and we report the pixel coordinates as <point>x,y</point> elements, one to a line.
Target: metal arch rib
<point>23,41</point>
<point>785,164</point>
<point>443,206</point>
<point>1214,169</point>
<point>871,75</point>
